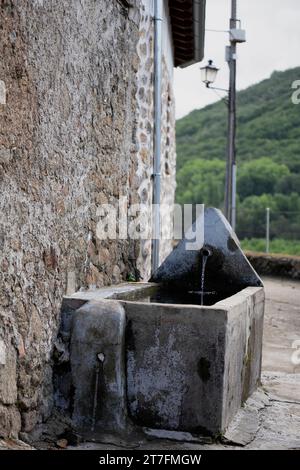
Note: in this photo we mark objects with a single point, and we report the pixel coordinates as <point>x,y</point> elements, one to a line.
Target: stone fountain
<point>182,352</point>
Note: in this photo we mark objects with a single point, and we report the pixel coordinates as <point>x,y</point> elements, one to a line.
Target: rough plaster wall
<point>67,145</point>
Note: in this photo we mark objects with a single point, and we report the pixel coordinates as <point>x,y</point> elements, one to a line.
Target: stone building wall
<point>168,163</point>
<point>75,133</point>
<point>145,125</point>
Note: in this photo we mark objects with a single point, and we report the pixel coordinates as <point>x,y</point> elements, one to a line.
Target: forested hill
<point>268,154</point>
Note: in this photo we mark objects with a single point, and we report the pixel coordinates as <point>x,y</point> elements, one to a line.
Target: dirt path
<point>282,325</point>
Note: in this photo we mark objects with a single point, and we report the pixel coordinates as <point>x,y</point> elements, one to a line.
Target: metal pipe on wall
<point>158,13</point>
<point>268,230</point>
<point>233,197</point>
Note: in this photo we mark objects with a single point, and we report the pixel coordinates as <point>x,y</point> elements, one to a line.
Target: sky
<point>273,43</point>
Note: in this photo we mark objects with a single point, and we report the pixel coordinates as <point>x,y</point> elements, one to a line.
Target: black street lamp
<point>209,73</point>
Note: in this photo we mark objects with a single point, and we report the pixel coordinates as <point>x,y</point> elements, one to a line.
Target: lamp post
<point>208,75</point>
<point>230,187</point>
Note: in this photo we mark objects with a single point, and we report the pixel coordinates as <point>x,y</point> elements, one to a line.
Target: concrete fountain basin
<point>167,366</point>
<point>157,354</point>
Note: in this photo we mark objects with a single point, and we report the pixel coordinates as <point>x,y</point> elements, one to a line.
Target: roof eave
<point>199,7</point>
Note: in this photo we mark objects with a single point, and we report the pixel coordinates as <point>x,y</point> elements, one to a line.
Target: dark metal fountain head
<point>206,252</point>
<point>228,269</point>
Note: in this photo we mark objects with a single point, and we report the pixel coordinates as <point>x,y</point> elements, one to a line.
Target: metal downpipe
<point>158,12</point>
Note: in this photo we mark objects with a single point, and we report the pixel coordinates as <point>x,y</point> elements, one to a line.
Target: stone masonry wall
<point>145,126</point>
<point>275,264</point>
<point>76,132</point>
<point>168,163</point>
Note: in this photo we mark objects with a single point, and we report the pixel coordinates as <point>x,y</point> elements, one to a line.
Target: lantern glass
<point>209,73</point>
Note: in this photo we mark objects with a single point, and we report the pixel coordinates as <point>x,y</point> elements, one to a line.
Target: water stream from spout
<point>204,261</point>
<point>99,365</point>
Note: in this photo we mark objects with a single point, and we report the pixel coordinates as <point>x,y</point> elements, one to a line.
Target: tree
<point>260,176</point>
<point>201,182</point>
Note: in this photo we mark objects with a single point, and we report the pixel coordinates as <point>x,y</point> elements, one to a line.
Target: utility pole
<point>230,185</point>
<point>208,73</point>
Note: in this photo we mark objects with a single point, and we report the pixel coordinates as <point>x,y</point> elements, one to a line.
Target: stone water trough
<point>151,355</point>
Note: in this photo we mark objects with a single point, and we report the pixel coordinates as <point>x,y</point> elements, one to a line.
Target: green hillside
<point>268,155</point>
